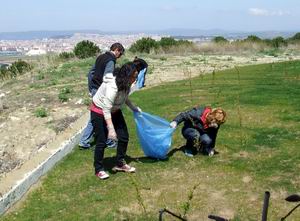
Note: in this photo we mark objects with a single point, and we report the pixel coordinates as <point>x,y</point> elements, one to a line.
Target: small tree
<point>144,45</point>
<point>219,39</point>
<point>278,42</point>
<point>86,49</point>
<point>295,38</point>
<point>167,42</point>
<point>253,38</point>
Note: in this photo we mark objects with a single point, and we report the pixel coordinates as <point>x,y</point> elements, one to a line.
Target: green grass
<point>259,151</point>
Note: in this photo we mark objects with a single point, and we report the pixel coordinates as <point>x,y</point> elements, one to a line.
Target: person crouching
<point>201,125</point>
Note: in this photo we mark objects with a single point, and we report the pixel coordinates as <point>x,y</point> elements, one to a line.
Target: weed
<point>41,112</point>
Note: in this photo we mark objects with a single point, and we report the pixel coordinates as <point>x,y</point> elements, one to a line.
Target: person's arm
<point>107,104</point>
<point>109,68</point>
<point>214,137</point>
<point>132,106</point>
<point>186,116</point>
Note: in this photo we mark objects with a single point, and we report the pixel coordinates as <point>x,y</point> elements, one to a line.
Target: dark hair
<point>117,46</point>
<point>140,63</point>
<point>123,76</point>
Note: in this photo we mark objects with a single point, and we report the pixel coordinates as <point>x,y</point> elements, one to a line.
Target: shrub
<point>86,49</point>
<point>295,38</point>
<point>63,97</point>
<point>63,94</point>
<point>278,42</point>
<point>19,67</point>
<point>219,39</point>
<point>144,45</point>
<point>41,112</point>
<point>167,42</point>
<point>253,38</point>
<point>66,55</point>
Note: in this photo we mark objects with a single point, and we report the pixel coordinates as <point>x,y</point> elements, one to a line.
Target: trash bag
<point>154,133</point>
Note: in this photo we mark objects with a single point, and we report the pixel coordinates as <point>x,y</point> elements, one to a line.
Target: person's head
<point>117,49</point>
<point>140,63</point>
<point>216,117</point>
<point>125,76</point>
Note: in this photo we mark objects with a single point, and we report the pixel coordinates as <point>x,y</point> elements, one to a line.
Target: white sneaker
<point>211,153</point>
<point>125,168</point>
<point>102,175</point>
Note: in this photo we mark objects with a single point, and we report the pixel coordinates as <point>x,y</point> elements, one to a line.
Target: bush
<point>19,67</point>
<point>66,55</point>
<point>4,73</point>
<point>253,38</point>
<point>41,112</point>
<point>220,39</point>
<point>144,45</point>
<point>295,38</point>
<point>86,49</point>
<point>166,44</point>
<point>278,42</point>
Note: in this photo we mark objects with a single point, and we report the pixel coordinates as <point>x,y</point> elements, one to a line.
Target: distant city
<point>45,42</point>
<point>60,44</point>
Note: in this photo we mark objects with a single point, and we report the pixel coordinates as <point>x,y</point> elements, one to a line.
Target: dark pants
<point>195,138</point>
<point>100,133</point>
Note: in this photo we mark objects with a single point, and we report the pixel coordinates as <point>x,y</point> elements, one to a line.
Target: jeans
<point>194,137</point>
<point>100,132</point>
<point>88,130</point>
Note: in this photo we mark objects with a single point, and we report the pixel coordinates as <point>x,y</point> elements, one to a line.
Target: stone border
<point>20,181</point>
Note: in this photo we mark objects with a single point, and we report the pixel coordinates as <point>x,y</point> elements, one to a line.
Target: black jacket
<point>99,68</point>
<point>192,119</point>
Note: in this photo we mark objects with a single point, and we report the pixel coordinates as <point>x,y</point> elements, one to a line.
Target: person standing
<point>107,118</point>
<point>105,63</point>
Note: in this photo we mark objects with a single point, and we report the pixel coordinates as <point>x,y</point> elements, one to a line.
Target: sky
<point>136,15</point>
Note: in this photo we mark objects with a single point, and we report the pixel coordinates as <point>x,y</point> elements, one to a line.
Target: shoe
<point>211,153</point>
<point>84,147</point>
<point>102,175</point>
<point>110,143</point>
<point>188,153</point>
<point>125,168</point>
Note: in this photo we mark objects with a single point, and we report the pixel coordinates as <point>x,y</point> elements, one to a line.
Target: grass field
<point>258,148</point>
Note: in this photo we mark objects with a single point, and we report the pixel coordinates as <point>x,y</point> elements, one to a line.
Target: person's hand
<point>137,109</point>
<point>111,133</point>
<point>173,124</point>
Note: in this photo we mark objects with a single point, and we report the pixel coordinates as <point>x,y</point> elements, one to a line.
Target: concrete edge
<point>23,185</point>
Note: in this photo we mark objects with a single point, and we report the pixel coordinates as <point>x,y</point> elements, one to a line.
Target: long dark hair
<point>123,76</point>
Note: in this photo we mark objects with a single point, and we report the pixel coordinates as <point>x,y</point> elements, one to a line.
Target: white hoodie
<point>108,98</point>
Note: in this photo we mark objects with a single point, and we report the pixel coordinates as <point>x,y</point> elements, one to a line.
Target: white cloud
<point>264,12</point>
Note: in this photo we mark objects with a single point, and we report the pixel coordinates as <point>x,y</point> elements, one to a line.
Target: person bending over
<point>201,125</point>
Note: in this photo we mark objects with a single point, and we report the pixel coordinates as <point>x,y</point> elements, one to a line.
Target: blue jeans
<point>88,130</point>
<point>193,136</point>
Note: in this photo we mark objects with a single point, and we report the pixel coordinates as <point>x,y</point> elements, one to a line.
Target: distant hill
<point>30,35</point>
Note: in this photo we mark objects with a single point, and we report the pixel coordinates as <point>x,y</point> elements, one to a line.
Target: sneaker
<point>84,147</point>
<point>125,168</point>
<point>188,153</point>
<point>102,175</point>
<point>211,153</point>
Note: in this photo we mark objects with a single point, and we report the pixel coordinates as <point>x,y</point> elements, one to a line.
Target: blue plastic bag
<point>154,133</point>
